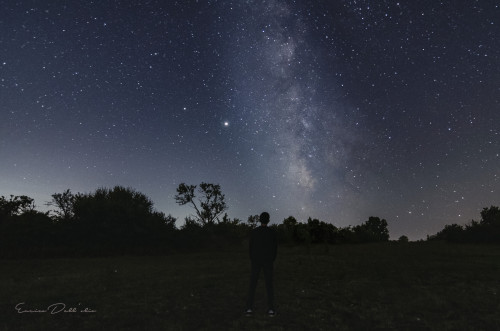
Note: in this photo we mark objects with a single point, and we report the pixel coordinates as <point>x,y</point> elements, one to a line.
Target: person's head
<point>264,218</point>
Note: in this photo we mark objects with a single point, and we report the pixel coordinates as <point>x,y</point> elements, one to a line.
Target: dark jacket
<point>263,245</point>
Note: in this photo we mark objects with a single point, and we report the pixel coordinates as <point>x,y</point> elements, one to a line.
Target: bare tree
<point>208,206</point>
<point>65,203</point>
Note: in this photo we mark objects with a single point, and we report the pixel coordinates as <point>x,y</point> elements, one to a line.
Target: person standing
<point>263,248</point>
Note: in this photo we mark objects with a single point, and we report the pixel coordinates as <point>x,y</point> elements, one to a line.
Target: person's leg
<point>254,277</point>
<point>268,274</point>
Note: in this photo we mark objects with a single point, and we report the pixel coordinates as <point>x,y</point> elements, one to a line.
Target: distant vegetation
<point>121,220</point>
<point>487,230</point>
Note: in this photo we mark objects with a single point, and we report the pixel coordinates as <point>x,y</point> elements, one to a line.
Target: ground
<point>390,286</point>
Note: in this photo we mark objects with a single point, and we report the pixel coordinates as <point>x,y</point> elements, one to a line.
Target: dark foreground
<point>415,286</point>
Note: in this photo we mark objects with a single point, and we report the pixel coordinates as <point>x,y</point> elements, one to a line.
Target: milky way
<point>337,111</point>
<point>299,129</point>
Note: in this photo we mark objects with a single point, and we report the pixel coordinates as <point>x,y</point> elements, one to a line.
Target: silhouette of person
<point>263,248</point>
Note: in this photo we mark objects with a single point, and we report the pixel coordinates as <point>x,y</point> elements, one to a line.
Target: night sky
<point>337,110</point>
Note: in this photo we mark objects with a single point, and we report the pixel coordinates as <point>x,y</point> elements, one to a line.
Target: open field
<point>415,286</point>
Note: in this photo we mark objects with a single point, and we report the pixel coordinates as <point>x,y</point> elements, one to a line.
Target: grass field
<point>414,286</point>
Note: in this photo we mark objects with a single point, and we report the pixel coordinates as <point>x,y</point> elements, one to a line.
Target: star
<point>346,110</point>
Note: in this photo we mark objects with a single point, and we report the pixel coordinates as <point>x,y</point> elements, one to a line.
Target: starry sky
<point>336,110</point>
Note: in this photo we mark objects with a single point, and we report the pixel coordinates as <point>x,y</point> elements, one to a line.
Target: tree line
<point>122,220</point>
<point>486,230</point>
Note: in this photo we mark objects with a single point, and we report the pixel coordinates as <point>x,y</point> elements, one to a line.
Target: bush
<point>117,217</point>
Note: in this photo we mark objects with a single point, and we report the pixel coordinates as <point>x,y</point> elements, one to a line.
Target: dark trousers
<point>254,277</point>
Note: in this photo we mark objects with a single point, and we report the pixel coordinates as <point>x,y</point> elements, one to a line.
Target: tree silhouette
<point>373,230</point>
<point>65,203</point>
<point>487,230</point>
<point>15,205</point>
<point>210,204</point>
<point>490,224</point>
<point>288,230</point>
<point>490,216</point>
<point>403,239</point>
<point>290,221</point>
<point>378,228</point>
<point>119,215</point>
<point>253,221</point>
<point>170,222</point>
<point>451,232</point>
